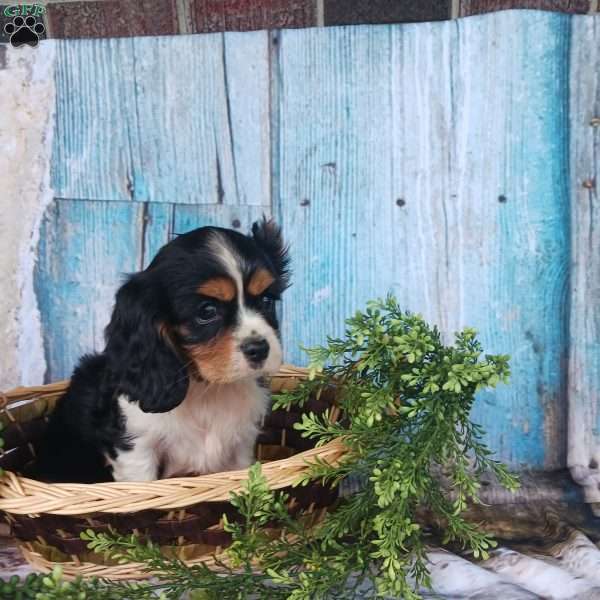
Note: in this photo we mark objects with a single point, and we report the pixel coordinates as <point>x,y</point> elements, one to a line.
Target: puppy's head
<point>223,300</point>
<point>205,307</point>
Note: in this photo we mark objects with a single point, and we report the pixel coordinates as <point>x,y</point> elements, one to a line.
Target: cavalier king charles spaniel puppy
<point>178,389</point>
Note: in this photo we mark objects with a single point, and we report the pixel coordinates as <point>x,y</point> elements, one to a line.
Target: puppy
<point>177,390</point>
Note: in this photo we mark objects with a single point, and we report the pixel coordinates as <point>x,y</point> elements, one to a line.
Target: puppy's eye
<point>207,313</point>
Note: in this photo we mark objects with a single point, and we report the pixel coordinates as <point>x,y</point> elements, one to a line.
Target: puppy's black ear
<point>267,236</point>
<point>142,363</point>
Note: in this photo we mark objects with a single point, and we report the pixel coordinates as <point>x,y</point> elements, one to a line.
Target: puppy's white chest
<point>213,429</point>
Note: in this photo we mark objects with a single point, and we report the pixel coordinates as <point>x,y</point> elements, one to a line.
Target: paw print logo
<point>24,31</point>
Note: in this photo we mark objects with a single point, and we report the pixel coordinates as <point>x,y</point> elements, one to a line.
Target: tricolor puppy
<point>177,389</point>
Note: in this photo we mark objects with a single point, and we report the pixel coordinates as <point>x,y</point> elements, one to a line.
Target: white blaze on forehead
<point>230,262</point>
<point>250,323</point>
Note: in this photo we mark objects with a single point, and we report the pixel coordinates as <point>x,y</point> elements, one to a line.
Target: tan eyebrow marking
<point>220,288</point>
<point>259,282</point>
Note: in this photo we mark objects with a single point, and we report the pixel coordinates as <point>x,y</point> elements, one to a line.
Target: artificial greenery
<point>405,398</point>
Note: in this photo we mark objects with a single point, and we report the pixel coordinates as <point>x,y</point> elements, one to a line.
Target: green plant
<point>406,400</point>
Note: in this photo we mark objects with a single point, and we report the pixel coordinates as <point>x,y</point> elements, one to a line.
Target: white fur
<point>213,429</point>
<point>230,261</point>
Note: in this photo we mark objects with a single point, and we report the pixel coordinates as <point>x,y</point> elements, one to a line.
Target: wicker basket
<point>182,514</point>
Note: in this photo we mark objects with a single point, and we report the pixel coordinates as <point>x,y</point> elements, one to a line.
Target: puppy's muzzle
<point>256,350</point>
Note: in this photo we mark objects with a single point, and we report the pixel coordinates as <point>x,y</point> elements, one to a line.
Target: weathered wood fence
<point>452,163</point>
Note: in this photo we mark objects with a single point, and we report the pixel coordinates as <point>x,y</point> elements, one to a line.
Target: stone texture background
<point>26,125</point>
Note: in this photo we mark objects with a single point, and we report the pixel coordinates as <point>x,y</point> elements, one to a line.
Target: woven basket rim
<point>24,496</point>
<point>21,393</point>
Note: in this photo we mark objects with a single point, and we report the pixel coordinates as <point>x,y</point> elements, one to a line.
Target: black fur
<point>143,358</point>
<point>140,363</point>
<point>267,236</point>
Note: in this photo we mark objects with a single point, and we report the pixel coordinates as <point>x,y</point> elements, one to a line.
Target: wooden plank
<point>85,249</point>
<point>177,119</point>
<point>511,181</point>
<point>545,507</point>
<point>336,201</point>
<point>157,229</point>
<point>203,108</point>
<point>454,197</point>
<point>246,73</point>
<point>584,358</point>
<point>96,136</point>
<point>240,218</point>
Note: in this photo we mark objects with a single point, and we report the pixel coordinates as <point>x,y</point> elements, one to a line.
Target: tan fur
<point>165,334</point>
<point>259,282</point>
<point>220,288</point>
<point>213,360</point>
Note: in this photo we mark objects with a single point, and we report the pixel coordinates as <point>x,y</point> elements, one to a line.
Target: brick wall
<point>117,18</point>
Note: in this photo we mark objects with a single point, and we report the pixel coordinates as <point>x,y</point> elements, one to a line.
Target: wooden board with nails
<point>436,160</point>
<point>454,196</point>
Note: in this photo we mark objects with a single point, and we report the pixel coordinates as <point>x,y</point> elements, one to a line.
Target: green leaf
<point>405,398</point>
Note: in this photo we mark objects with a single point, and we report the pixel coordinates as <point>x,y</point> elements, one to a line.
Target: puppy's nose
<point>256,350</point>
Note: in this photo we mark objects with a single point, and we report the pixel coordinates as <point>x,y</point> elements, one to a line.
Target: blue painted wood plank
<point>584,356</point>
<point>96,143</point>
<point>360,197</point>
<point>335,203</point>
<point>240,218</point>
<point>203,105</point>
<point>164,119</point>
<point>85,250</point>
<point>157,229</point>
<point>511,181</point>
<point>397,148</point>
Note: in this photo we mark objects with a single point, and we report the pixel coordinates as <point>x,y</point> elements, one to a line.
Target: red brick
<point>112,18</point>
<point>475,7</point>
<point>354,12</point>
<point>244,15</point>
